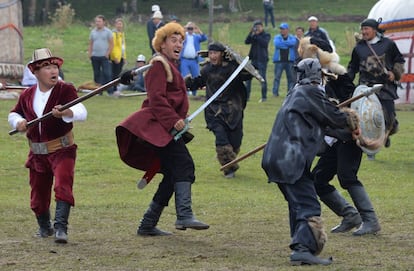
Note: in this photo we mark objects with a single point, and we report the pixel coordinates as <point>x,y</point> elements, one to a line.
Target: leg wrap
<point>226,154</point>
<point>316,224</point>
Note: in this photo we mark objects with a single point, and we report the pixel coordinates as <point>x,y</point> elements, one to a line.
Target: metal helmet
<point>309,71</point>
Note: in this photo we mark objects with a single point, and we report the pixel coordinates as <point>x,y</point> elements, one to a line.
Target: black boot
<point>150,220</point>
<point>370,224</point>
<point>45,227</point>
<point>301,255</point>
<point>185,217</point>
<point>341,207</point>
<point>61,222</point>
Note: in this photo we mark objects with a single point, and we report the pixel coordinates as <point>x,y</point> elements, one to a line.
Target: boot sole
<point>183,228</point>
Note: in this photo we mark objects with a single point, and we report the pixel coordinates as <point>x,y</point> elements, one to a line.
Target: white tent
<point>398,21</point>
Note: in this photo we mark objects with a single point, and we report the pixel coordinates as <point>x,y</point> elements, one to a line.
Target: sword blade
<point>220,90</point>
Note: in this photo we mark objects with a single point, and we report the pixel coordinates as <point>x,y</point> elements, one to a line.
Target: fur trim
<point>398,70</point>
<point>328,60</point>
<point>318,230</point>
<point>167,67</point>
<point>225,154</point>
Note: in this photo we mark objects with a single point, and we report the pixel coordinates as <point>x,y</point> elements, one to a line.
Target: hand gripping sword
<point>149,174</point>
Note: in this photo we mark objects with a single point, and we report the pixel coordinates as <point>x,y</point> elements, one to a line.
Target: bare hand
<point>179,125</point>
<point>356,133</point>
<point>22,126</point>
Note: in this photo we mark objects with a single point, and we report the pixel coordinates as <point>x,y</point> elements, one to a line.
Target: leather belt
<point>52,145</point>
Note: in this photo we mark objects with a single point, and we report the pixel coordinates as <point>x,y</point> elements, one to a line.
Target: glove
<point>188,81</point>
<point>127,77</point>
<point>352,118</point>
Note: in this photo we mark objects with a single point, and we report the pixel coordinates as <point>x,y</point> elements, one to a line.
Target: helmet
<point>309,71</point>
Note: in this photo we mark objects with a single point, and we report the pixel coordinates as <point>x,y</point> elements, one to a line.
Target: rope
<point>10,25</point>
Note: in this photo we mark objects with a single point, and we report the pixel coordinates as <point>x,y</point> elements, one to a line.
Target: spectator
<point>118,53</point>
<point>153,24</point>
<point>100,46</point>
<point>284,57</point>
<point>138,82</point>
<point>268,12</point>
<point>320,34</point>
<point>189,55</point>
<point>258,54</point>
<point>299,34</point>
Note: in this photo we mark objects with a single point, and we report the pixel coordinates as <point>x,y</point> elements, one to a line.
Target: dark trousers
<point>101,69</point>
<point>261,68</point>
<point>177,165</point>
<point>116,71</point>
<point>225,136</point>
<point>302,204</point>
<point>342,159</point>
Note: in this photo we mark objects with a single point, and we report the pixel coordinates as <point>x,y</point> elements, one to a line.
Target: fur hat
<point>43,57</point>
<point>167,30</point>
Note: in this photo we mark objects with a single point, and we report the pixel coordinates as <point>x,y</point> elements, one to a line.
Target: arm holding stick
<point>81,99</point>
<point>367,92</point>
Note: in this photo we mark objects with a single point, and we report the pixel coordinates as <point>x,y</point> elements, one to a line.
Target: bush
<point>63,16</point>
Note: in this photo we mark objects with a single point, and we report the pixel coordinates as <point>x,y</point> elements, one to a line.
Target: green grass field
<point>248,217</point>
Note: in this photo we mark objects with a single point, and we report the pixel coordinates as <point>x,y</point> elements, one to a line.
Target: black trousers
<point>302,203</point>
<point>342,159</point>
<point>177,165</point>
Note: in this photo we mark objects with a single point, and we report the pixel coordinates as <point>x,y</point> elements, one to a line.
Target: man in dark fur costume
<point>293,144</point>
<point>224,116</point>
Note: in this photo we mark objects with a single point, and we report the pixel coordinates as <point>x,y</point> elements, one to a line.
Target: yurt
<point>398,22</point>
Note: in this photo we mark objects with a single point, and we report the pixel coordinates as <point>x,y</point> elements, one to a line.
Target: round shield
<point>372,121</point>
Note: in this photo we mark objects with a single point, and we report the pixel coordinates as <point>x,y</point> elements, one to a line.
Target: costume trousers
<point>44,168</point>
<point>391,123</point>
<point>225,136</point>
<point>177,165</point>
<point>342,159</point>
<point>302,204</point>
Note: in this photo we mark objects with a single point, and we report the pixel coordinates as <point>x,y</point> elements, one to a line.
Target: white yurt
<point>398,22</point>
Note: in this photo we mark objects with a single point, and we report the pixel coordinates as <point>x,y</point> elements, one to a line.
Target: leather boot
<point>148,224</point>
<point>185,217</point>
<point>61,222</point>
<point>370,224</point>
<point>302,256</point>
<point>341,207</point>
<point>45,227</point>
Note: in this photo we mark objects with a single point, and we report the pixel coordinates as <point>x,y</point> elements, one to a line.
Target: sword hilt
<point>178,134</point>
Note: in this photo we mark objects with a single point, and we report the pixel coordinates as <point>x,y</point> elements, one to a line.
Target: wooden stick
<point>81,99</point>
<point>261,147</point>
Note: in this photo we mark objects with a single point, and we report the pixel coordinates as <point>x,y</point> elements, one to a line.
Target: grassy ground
<point>248,216</point>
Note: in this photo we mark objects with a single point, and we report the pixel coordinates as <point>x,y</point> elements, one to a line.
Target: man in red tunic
<point>52,152</point>
<point>145,139</point>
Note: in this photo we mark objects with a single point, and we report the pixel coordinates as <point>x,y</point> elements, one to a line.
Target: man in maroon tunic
<point>145,138</point>
<point>52,152</point>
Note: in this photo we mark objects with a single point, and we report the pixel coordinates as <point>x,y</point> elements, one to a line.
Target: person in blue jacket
<point>189,57</point>
<point>284,57</point>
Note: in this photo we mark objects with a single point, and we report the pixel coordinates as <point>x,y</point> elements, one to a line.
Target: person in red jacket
<point>145,138</point>
<point>52,149</point>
